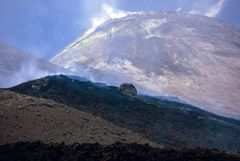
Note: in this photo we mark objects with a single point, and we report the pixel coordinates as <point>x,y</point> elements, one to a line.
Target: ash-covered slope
<point>17,67</point>
<point>26,118</point>
<point>164,122</point>
<point>193,57</point>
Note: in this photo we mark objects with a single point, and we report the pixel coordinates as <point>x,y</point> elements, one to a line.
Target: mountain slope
<point>193,57</point>
<point>165,122</point>
<point>25,118</point>
<point>17,67</point>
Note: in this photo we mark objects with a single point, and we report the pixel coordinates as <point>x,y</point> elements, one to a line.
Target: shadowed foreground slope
<point>26,118</point>
<point>38,151</point>
<point>164,122</point>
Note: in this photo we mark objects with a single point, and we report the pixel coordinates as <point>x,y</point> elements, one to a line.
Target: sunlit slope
<point>192,57</point>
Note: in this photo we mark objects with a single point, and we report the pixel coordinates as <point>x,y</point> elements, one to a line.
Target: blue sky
<point>45,27</point>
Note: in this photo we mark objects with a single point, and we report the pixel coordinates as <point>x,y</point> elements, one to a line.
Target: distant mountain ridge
<point>17,67</point>
<point>164,122</point>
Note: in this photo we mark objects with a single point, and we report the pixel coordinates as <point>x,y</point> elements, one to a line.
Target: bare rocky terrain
<point>69,118</point>
<point>26,118</point>
<point>37,151</point>
<point>168,123</point>
<point>193,57</point>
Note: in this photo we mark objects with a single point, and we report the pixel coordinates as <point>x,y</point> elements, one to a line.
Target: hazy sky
<point>45,27</point>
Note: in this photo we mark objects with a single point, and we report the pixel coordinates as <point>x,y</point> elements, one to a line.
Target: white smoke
<point>125,71</point>
<point>178,9</point>
<point>29,70</point>
<point>107,12</point>
<point>194,12</point>
<point>214,10</point>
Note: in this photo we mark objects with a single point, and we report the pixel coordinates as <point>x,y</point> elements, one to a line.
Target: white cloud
<point>215,9</point>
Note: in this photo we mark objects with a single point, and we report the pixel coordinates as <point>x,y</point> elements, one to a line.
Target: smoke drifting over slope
<point>17,67</point>
<point>28,71</point>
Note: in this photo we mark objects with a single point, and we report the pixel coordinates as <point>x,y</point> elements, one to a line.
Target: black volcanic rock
<point>128,89</point>
<point>37,151</point>
<point>164,122</point>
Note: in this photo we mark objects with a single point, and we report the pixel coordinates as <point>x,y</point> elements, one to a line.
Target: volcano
<point>192,57</point>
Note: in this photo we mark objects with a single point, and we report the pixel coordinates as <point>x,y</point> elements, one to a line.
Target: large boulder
<point>128,89</point>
